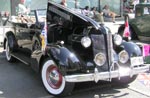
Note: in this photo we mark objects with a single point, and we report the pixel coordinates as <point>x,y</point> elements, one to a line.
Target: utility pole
<point>99,4</point>
<point>11,11</point>
<point>13,6</point>
<point>76,4</point>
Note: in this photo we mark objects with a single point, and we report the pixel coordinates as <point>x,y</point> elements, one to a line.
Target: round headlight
<point>123,56</point>
<point>86,42</point>
<point>117,39</point>
<point>100,59</point>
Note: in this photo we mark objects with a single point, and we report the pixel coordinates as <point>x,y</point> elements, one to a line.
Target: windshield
<point>31,17</point>
<point>41,14</point>
<point>146,11</point>
<point>142,10</point>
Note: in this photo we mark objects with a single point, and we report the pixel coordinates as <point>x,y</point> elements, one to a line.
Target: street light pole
<point>99,4</point>
<point>76,4</point>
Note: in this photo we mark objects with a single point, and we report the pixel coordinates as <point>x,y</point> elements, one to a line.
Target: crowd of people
<point>94,13</point>
<point>99,16</point>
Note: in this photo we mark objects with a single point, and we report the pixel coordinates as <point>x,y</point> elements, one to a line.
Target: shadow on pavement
<point>102,89</point>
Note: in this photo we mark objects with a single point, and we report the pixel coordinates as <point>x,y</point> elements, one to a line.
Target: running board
<point>21,57</point>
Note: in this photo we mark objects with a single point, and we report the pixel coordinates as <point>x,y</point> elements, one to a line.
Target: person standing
<point>86,11</point>
<point>135,2</point>
<point>98,16</point>
<point>108,13</point>
<point>22,9</point>
<point>63,2</point>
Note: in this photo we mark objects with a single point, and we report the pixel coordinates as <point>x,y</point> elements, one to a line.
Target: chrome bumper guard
<point>96,76</point>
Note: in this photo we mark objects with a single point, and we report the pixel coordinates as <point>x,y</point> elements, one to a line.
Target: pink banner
<point>146,50</point>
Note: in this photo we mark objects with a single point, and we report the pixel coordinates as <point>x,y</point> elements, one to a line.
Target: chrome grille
<point>110,48</point>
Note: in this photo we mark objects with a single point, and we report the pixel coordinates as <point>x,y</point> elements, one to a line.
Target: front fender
<point>132,49</point>
<point>64,57</point>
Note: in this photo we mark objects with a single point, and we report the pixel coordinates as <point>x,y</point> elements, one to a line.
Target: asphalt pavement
<point>18,80</point>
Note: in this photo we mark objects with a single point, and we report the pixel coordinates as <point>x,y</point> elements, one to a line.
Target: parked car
<point>69,48</point>
<point>4,27</point>
<point>139,26</point>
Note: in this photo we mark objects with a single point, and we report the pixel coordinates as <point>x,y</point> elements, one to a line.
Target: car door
<point>24,37</point>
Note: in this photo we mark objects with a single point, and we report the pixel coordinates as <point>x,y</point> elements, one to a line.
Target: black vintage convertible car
<point>67,47</point>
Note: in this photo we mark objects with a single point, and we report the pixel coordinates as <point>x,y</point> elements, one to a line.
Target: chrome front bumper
<point>96,76</point>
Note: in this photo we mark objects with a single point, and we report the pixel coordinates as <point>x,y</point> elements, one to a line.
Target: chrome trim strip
<point>144,38</point>
<point>105,75</point>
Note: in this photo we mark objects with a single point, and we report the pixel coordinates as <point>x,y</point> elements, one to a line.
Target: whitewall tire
<point>8,53</point>
<point>53,80</point>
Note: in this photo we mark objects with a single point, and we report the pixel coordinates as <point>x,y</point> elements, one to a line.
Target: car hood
<point>71,15</point>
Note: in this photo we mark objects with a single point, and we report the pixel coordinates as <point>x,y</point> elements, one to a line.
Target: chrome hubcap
<point>54,78</point>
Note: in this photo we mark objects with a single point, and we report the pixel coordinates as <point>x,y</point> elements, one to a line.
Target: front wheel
<point>53,80</point>
<point>8,53</point>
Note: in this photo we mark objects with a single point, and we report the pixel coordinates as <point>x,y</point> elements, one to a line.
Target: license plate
<point>136,61</point>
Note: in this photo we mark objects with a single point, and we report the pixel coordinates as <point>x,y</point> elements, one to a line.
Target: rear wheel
<point>53,80</point>
<point>8,53</point>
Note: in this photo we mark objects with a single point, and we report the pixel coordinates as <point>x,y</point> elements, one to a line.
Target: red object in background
<point>126,32</point>
<point>6,14</point>
<point>144,78</point>
<point>22,1</point>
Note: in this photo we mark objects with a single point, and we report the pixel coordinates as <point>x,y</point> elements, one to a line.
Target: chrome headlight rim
<point>86,41</point>
<point>121,55</point>
<point>103,56</point>
<point>117,39</point>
